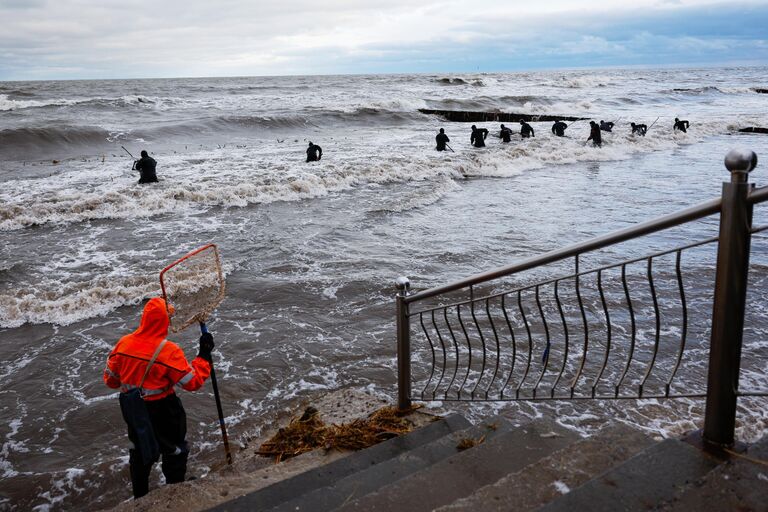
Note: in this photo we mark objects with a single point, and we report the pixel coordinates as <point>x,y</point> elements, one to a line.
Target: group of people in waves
<point>147,165</point>
<point>478,135</point>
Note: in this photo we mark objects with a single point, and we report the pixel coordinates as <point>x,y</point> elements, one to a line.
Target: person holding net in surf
<point>146,165</point>
<point>146,367</point>
<point>146,361</point>
<point>639,129</point>
<point>680,125</point>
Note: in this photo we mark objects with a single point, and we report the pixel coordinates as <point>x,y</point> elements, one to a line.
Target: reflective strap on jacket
<point>143,391</point>
<point>188,377</point>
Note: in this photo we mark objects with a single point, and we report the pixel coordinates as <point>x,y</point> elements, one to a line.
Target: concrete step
<point>346,489</point>
<point>551,476</point>
<point>645,481</point>
<point>738,484</point>
<point>328,473</point>
<point>460,475</point>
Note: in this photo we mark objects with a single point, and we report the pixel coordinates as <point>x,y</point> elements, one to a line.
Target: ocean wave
<point>460,81</point>
<point>489,103</point>
<point>58,299</point>
<point>38,142</point>
<point>34,139</point>
<point>245,89</point>
<point>8,101</point>
<point>708,90</point>
<point>423,196</point>
<point>69,302</point>
<point>580,82</point>
<point>18,93</point>
<point>313,118</point>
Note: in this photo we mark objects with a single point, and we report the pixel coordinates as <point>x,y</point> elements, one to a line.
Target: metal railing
<point>622,335</point>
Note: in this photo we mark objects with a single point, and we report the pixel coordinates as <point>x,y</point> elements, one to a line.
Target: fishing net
<point>192,287</point>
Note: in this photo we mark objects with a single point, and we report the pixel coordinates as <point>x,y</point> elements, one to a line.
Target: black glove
<point>206,346</point>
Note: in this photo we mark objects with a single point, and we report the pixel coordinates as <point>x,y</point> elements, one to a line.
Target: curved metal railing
<point>503,350</point>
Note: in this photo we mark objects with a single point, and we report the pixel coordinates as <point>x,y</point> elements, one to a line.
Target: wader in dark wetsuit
<point>146,166</point>
<point>505,134</point>
<point>639,129</point>
<point>478,136</point>
<point>594,134</point>
<point>606,127</point>
<point>441,139</point>
<point>559,128</point>
<point>314,153</point>
<point>526,130</point>
<point>681,125</point>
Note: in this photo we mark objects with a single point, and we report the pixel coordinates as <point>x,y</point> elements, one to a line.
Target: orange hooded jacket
<point>128,361</point>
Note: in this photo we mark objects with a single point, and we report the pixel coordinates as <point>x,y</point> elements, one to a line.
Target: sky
<point>89,39</point>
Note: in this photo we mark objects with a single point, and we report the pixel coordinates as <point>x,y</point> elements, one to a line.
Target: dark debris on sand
<point>308,432</point>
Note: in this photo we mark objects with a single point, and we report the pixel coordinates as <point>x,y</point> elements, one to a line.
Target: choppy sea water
<point>311,251</point>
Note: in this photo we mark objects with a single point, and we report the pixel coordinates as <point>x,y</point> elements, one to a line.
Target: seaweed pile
<point>309,432</point>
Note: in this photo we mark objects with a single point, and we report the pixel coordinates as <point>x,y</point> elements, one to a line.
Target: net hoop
<point>202,315</point>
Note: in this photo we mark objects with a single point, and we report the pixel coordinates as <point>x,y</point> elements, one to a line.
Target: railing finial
<point>740,162</point>
<point>403,285</point>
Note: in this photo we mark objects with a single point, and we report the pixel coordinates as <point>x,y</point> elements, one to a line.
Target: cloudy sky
<point>62,39</point>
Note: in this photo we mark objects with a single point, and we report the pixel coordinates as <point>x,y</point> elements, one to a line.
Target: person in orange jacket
<point>126,365</point>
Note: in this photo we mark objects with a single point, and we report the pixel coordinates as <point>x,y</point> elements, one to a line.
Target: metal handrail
<point>560,348</point>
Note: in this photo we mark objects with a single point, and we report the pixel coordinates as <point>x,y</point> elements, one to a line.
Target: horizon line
<point>722,65</point>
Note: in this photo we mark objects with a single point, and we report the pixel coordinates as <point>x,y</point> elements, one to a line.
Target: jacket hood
<point>154,321</point>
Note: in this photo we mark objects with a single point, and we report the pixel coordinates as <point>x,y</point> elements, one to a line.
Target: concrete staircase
<point>451,465</point>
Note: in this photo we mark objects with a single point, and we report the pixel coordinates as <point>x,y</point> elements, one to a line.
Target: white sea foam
<point>12,445</point>
<point>67,302</point>
<point>582,82</point>
<point>62,487</point>
<point>317,379</point>
<point>10,104</point>
<point>159,103</point>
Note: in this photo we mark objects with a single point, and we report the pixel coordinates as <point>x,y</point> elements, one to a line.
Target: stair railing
<point>485,346</point>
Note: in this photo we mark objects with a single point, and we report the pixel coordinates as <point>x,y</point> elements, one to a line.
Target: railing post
<point>729,301</point>
<point>403,345</point>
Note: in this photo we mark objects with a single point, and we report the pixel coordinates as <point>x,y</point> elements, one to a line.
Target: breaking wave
<point>460,81</point>
<point>64,303</point>
<point>10,101</point>
<point>709,89</point>
<point>35,139</point>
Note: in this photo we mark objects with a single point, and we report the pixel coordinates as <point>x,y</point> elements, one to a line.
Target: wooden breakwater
<point>754,129</point>
<point>464,116</point>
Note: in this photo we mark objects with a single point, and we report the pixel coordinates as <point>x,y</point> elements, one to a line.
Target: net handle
<point>185,257</point>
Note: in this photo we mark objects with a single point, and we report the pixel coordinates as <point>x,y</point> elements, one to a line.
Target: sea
<point>311,251</point>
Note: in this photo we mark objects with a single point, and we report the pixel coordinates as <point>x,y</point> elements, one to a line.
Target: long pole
<point>449,147</point>
<point>204,330</point>
<point>653,123</point>
<point>129,153</point>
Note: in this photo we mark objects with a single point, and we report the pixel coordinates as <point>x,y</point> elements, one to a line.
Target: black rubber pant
<point>170,425</point>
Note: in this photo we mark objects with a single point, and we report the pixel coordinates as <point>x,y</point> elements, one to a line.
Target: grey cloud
<point>180,38</point>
